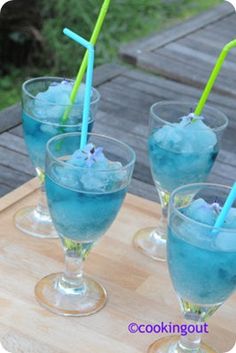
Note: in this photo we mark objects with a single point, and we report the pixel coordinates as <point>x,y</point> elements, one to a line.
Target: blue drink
<point>82,216</point>
<point>187,157</point>
<point>182,149</point>
<point>202,275</point>
<point>37,133</point>
<point>43,111</point>
<point>85,188</point>
<point>201,260</point>
<point>202,263</point>
<point>44,102</point>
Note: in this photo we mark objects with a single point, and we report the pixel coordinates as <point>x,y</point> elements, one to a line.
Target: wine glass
<point>83,203</point>
<point>201,260</point>
<point>41,121</point>
<point>177,159</point>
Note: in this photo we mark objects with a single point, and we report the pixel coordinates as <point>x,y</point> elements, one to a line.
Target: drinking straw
<point>227,206</point>
<point>214,76</point>
<point>88,84</point>
<point>80,75</point>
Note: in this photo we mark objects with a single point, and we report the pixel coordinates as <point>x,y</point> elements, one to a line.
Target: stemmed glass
<point>177,165</point>
<point>83,203</point>
<point>202,264</point>
<point>41,121</point>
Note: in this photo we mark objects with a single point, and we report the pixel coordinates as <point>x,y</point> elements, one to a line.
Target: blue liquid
<point>80,216</point>
<point>37,133</point>
<point>172,169</point>
<point>201,275</point>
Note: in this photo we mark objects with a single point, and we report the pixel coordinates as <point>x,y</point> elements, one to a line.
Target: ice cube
<point>48,129</point>
<point>186,136</point>
<point>51,103</point>
<point>66,176</point>
<point>201,136</point>
<point>93,181</point>
<point>226,241</point>
<point>168,136</point>
<point>54,113</point>
<point>200,211</point>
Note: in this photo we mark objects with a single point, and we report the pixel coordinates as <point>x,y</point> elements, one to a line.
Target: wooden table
<point>139,289</point>
<point>187,52</point>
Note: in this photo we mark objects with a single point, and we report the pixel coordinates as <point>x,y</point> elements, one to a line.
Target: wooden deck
<point>127,95</point>
<point>187,52</point>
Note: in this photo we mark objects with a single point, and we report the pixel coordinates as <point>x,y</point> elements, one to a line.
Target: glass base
<point>30,221</point>
<point>151,243</point>
<point>52,298</point>
<point>169,345</point>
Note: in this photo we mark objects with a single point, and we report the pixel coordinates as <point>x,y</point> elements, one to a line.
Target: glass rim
<point>188,103</point>
<point>94,100</point>
<point>70,134</point>
<point>190,220</point>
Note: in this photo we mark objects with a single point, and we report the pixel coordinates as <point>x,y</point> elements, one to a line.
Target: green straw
<point>214,76</point>
<point>93,40</point>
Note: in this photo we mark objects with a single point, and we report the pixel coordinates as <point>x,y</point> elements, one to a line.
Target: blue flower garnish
<point>90,155</point>
<point>191,118</point>
<point>216,207</point>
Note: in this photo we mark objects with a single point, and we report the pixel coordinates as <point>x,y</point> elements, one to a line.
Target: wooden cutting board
<point>139,289</point>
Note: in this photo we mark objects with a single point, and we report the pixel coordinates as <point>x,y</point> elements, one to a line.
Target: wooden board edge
<point>140,201</point>
<point>18,194</point>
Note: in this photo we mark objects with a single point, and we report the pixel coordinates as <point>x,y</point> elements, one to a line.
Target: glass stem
<point>164,199</point>
<point>190,342</point>
<point>42,206</point>
<point>72,281</point>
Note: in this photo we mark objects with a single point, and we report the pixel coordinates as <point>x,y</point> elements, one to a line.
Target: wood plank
<point>225,27</point>
<point>138,122</point>
<point>17,131</point>
<point>141,189</point>
<point>208,47</point>
<point>107,72</point>
<point>9,117</point>
<point>177,71</point>
<point>131,298</point>
<point>201,38</point>
<point>19,193</point>
<point>199,59</point>
<point>131,51</point>
<point>4,189</point>
<point>16,161</point>
<point>170,90</point>
<point>213,37</point>
<point>13,178</point>
<point>197,66</point>
<point>223,173</point>
<point>13,142</point>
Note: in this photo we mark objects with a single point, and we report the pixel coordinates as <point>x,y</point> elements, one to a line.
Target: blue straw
<point>225,210</point>
<point>89,82</point>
